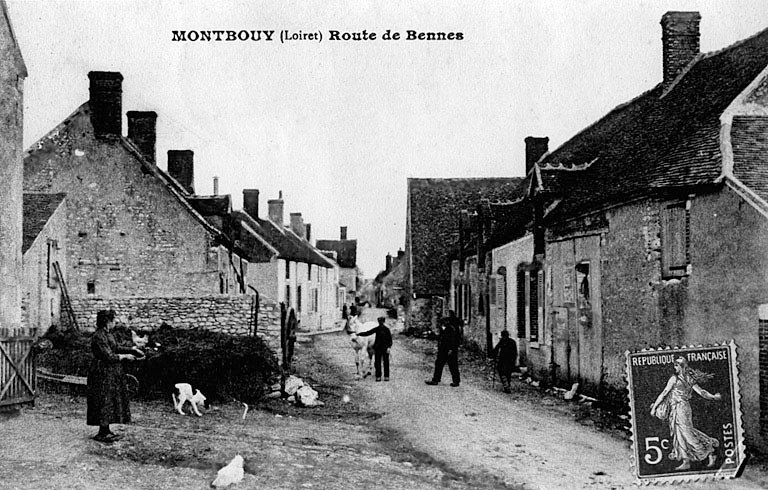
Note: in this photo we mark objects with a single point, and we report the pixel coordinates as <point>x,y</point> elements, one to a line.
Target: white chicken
<point>568,395</point>
<point>139,341</point>
<point>230,474</point>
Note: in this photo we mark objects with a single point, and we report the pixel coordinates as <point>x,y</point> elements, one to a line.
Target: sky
<point>339,126</point>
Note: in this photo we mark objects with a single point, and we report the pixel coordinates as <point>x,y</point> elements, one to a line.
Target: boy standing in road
<point>381,346</point>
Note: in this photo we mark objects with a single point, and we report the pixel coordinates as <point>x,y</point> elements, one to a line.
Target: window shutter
<point>521,304</point>
<point>501,299</point>
<point>492,285</point>
<point>534,307</point>
<point>674,238</point>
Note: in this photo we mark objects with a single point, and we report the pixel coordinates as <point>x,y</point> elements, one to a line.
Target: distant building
<point>432,236</point>
<point>282,264</point>
<point>350,276</point>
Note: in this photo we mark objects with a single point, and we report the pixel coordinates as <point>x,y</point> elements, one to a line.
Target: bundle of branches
<point>221,366</point>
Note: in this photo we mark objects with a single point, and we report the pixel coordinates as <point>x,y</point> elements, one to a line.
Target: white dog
<point>184,393</point>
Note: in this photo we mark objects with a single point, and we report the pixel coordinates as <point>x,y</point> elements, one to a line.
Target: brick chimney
<point>106,102</point>
<point>181,166</point>
<point>534,149</point>
<point>251,202</point>
<point>388,263</point>
<point>297,225</point>
<point>308,235</point>
<point>141,131</point>
<point>276,210</point>
<point>343,232</point>
<point>680,42</point>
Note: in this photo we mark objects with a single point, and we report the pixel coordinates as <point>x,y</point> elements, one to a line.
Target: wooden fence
<point>18,382</point>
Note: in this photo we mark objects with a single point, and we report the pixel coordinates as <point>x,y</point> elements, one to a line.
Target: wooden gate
<point>18,382</point>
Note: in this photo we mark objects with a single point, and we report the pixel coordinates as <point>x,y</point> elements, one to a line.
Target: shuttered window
<point>521,280</point>
<point>675,239</point>
<point>534,307</point>
<point>492,291</point>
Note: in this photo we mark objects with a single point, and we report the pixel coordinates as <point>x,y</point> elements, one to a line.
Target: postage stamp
<point>686,413</point>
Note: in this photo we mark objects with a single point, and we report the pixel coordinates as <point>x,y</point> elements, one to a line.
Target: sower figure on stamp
<point>673,404</point>
<point>381,346</point>
<point>448,349</point>
<point>505,356</point>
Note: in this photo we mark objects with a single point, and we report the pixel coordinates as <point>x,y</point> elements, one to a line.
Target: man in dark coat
<point>381,345</point>
<point>107,392</point>
<point>448,349</point>
<point>505,354</point>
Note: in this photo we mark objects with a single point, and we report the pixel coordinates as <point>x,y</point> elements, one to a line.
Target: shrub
<point>223,367</point>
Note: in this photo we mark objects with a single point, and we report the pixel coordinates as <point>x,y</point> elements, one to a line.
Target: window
<point>298,299</point>
<point>50,272</point>
<point>521,303</point>
<point>309,272</point>
<point>91,287</point>
<point>287,269</point>
<point>287,295</point>
<point>583,303</point>
<point>675,239</point>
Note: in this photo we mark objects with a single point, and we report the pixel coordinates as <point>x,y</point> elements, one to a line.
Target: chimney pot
<point>535,148</point>
<point>388,263</point>
<point>106,100</point>
<point>309,232</point>
<point>343,232</point>
<point>251,202</point>
<point>276,210</point>
<point>181,167</point>
<point>142,132</point>
<point>680,38</point>
<point>297,225</point>
<point>215,186</point>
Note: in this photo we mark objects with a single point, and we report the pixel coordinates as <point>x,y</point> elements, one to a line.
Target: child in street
<point>505,355</point>
<point>381,347</point>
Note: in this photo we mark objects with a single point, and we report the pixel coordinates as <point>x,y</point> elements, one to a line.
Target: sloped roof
<point>434,206</point>
<point>270,241</point>
<point>659,140</point>
<point>346,251</point>
<point>749,137</point>
<point>38,209</point>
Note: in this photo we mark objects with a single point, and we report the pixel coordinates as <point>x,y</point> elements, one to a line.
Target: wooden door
<point>17,368</point>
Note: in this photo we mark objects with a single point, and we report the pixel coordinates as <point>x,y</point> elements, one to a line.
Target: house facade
<point>12,75</point>
<point>655,237</point>
<point>283,266</point>
<point>131,231</point>
<point>350,276</point>
<point>44,249</point>
<point>431,241</point>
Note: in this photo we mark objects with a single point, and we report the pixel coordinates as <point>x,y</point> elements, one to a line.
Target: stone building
<point>44,249</point>
<point>350,276</point>
<point>283,266</point>
<point>431,237</point>
<point>12,75</point>
<point>657,222</point>
<point>131,229</point>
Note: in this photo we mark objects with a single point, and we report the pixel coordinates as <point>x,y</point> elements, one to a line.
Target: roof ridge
<point>733,45</point>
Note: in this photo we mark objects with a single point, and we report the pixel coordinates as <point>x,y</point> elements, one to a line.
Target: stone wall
<point>218,313</point>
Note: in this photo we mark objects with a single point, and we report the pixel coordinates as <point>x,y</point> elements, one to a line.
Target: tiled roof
<point>749,137</point>
<point>346,251</point>
<point>434,206</point>
<point>38,209</point>
<point>271,240</point>
<point>509,221</point>
<point>658,140</point>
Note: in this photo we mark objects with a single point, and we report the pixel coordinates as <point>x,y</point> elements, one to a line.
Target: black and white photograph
<point>400,245</point>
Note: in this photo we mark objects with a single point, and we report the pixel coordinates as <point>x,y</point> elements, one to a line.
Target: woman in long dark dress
<point>107,391</point>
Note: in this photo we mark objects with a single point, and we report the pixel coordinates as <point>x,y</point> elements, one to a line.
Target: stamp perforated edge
<point>739,429</point>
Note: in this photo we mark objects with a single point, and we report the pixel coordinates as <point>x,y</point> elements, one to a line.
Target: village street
<point>475,429</point>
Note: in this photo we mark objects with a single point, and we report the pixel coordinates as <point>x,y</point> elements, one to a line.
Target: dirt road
<point>482,431</point>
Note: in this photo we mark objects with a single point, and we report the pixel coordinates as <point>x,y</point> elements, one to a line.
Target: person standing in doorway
<point>381,347</point>
<point>505,356</point>
<point>107,391</point>
<point>448,350</point>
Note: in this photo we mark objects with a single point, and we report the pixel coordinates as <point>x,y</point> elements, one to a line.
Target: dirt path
<point>478,430</point>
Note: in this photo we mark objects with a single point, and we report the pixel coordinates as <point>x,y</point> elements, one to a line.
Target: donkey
<point>360,344</point>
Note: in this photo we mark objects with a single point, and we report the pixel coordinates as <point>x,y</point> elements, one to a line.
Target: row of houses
<point>89,221</point>
<point>646,229</point>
